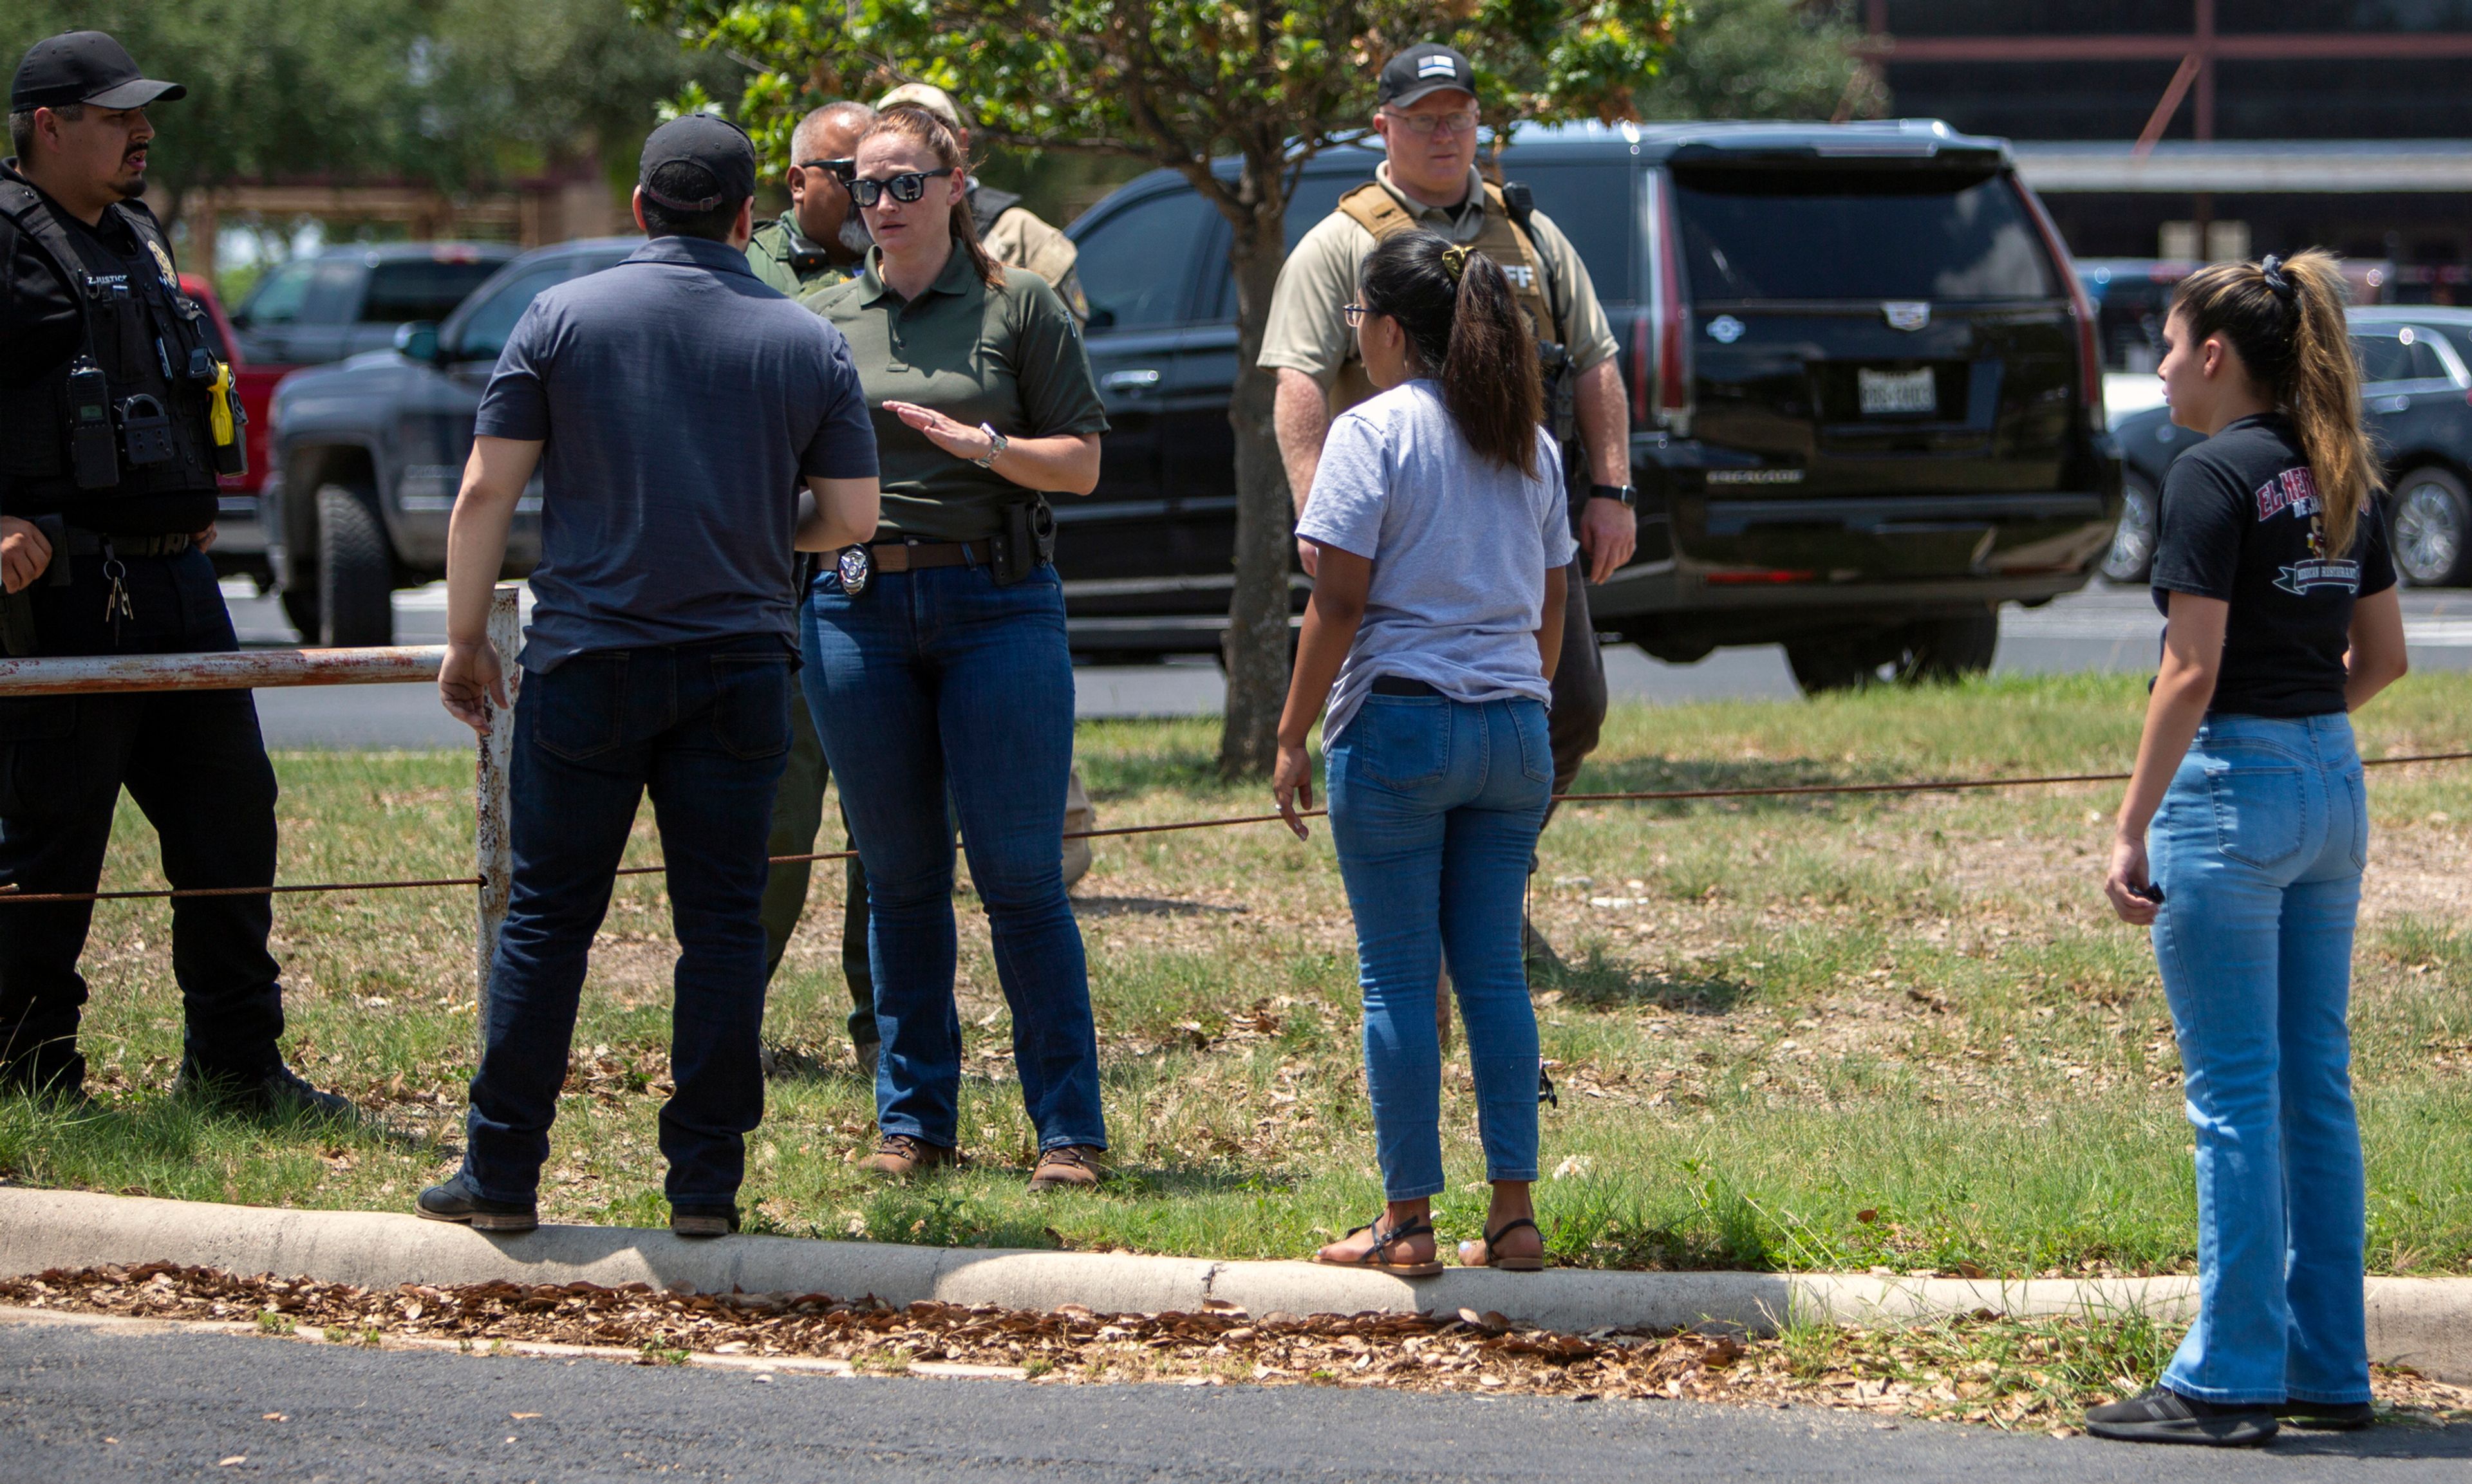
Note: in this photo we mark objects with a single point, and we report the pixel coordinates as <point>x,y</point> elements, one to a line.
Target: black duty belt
<point>911,556</point>
<point>1401,685</point>
<point>91,543</point>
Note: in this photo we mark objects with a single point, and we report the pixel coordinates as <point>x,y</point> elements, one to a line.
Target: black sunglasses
<point>908,186</point>
<point>841,170</point>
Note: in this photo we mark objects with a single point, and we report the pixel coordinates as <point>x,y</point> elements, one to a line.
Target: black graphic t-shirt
<point>2243,523</point>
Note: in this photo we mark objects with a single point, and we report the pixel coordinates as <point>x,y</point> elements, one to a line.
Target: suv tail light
<point>2080,309</point>
<point>1660,391</point>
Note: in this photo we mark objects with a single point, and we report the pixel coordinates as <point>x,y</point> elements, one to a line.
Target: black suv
<point>370,452</point>
<point>1867,403</point>
<point>2417,398</point>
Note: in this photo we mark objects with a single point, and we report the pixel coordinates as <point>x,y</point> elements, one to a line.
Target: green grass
<point>1894,1032</point>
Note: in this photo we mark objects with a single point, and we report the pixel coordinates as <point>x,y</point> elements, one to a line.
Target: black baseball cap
<point>84,66</point>
<point>713,145</point>
<point>1424,68</point>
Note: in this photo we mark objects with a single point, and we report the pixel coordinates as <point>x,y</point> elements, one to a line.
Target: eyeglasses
<point>908,186</point>
<point>840,170</point>
<point>1463,121</point>
<point>1355,314</point>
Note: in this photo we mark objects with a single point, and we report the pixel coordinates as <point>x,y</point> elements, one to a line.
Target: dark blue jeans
<point>940,684</point>
<point>703,727</point>
<point>194,763</point>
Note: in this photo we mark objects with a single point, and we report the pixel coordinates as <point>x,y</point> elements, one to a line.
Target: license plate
<point>1891,392</point>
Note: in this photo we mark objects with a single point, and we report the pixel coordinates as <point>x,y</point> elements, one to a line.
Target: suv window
<point>2386,356</point>
<point>1592,204</point>
<point>1839,234</point>
<point>484,334</point>
<point>278,298</point>
<point>415,289</point>
<point>1134,266</point>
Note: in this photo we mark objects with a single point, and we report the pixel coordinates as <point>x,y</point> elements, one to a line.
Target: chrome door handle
<point>1129,381</point>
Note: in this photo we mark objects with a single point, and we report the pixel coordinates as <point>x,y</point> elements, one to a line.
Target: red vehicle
<point>240,540</point>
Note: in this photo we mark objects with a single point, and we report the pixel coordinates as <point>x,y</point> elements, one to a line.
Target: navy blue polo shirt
<point>681,402</point>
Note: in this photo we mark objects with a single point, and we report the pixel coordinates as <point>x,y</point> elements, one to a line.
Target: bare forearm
<point>476,553</point>
<point>2377,657</point>
<point>2173,713</point>
<point>835,513</point>
<point>1329,629</point>
<point>1067,464</point>
<point>1301,417</point>
<point>1549,634</point>
<point>1604,423</point>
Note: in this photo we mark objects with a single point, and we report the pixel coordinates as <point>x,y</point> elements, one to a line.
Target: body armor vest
<point>986,203</point>
<point>1379,212</point>
<point>143,407</point>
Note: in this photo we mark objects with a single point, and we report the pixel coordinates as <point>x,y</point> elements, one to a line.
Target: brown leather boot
<point>1071,1166</point>
<point>899,1156</point>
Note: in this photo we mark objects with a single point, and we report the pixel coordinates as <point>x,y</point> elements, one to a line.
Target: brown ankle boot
<point>1071,1166</point>
<point>900,1156</point>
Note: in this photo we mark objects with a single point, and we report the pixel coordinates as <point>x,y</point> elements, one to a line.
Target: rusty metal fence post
<point>493,849</point>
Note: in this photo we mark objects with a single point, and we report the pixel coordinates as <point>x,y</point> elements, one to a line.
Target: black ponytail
<point>1465,327</point>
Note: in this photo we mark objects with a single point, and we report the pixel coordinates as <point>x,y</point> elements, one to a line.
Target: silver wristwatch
<point>997,443</point>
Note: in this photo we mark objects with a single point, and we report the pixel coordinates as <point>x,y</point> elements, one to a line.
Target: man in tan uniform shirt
<point>1427,120</point>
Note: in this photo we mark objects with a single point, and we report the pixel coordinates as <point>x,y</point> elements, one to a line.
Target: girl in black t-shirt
<point>2273,572</point>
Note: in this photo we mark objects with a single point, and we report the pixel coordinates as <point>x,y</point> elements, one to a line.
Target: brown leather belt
<point>911,556</point>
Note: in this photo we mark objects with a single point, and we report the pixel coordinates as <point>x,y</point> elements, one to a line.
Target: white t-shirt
<point>1460,546</point>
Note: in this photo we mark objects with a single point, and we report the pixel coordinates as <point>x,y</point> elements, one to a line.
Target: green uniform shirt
<point>1010,357</point>
<point>774,252</point>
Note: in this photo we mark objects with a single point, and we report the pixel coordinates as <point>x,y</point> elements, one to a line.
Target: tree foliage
<point>1765,60</point>
<point>1187,84</point>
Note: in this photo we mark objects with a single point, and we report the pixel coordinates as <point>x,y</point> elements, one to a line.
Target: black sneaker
<point>457,1201</point>
<point>2327,1416</point>
<point>2163,1415</point>
<point>275,1094</point>
<point>701,1222</point>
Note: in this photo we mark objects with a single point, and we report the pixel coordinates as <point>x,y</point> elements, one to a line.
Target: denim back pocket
<point>2257,795</point>
<point>2356,788</point>
<point>581,704</point>
<point>1536,741</point>
<point>750,705</point>
<point>1402,741</point>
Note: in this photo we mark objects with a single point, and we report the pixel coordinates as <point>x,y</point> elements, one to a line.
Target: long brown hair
<point>2286,319</point>
<point>1467,330</point>
<point>925,127</point>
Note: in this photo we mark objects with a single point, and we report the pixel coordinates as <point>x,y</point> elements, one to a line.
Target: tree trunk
<point>1256,646</point>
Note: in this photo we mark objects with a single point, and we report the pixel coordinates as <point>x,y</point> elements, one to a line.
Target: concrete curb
<point>2422,1322</point>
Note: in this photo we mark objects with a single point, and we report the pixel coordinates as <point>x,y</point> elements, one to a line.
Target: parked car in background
<point>2132,295</point>
<point>1865,393</point>
<point>341,301</point>
<point>240,541</point>
<point>370,452</point>
<point>2416,397</point>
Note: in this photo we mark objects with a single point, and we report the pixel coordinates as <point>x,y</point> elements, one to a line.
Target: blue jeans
<point>941,684</point>
<point>1435,806</point>
<point>2258,848</point>
<point>705,727</point>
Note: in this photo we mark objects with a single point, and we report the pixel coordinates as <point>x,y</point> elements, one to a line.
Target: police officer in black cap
<point>116,417</point>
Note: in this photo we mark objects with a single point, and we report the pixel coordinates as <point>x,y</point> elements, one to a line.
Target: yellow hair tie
<point>1455,262</point>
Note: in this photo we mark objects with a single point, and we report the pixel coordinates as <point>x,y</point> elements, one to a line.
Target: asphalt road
<point>2105,628</point>
<point>180,1404</point>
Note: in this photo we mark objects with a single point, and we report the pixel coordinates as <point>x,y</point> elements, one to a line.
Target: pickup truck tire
<point>355,570</point>
<point>2131,556</point>
<point>1950,649</point>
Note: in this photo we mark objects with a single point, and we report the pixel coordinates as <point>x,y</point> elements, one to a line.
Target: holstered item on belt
<point>1027,539</point>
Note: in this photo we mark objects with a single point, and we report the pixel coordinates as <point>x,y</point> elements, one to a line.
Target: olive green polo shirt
<point>1010,356</point>
<point>774,251</point>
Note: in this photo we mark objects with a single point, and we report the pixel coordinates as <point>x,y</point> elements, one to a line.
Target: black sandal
<point>1494,1260</point>
<point>1384,1241</point>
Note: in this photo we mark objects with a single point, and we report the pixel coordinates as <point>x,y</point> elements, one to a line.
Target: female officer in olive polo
<point>937,660</point>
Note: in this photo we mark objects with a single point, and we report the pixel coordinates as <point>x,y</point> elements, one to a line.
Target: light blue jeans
<point>1435,806</point>
<point>2258,848</point>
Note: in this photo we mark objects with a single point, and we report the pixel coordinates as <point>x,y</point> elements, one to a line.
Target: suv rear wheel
<point>2131,556</point>
<point>2431,517</point>
<point>355,570</point>
<point>1942,649</point>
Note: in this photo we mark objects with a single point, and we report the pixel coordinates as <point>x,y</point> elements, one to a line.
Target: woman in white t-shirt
<point>1438,510</point>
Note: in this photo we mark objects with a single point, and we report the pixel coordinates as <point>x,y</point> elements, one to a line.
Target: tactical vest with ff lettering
<point>152,407</point>
<point>1375,209</point>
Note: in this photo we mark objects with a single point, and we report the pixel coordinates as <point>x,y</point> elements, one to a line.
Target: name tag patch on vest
<point>1520,274</point>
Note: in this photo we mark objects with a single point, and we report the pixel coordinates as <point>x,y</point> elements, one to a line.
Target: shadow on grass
<point>1147,907</point>
<point>1598,983</point>
<point>151,1144</point>
<point>1660,775</point>
<point>798,1061</point>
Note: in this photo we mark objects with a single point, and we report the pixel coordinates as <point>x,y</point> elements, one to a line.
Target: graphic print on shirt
<point>2294,491</point>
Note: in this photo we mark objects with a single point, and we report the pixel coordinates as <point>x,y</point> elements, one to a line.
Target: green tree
<point>1184,85</point>
<point>1765,60</point>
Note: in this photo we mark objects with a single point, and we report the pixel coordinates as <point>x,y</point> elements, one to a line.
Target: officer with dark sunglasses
<point>821,240</point>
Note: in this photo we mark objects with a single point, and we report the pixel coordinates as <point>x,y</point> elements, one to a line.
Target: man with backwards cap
<point>116,414</point>
<point>1426,113</point>
<point>692,426</point>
